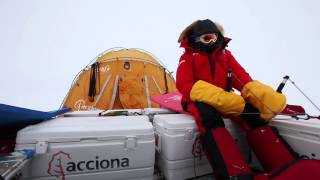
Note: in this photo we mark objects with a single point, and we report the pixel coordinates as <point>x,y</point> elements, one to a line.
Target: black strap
<point>185,106</point>
<point>215,156</point>
<point>211,118</point>
<point>282,169</point>
<point>251,116</point>
<point>94,76</point>
<point>243,177</point>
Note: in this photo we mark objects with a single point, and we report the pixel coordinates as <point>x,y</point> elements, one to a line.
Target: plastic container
<point>176,136</point>
<point>119,147</point>
<point>302,135</point>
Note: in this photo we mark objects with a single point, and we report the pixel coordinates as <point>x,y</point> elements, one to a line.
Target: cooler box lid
<point>178,122</point>
<point>82,128</point>
<point>175,121</point>
<point>154,111</point>
<point>310,125</point>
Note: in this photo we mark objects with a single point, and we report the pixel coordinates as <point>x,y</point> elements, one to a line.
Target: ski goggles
<point>207,38</point>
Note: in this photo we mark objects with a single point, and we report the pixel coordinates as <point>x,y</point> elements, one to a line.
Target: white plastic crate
<point>120,147</point>
<point>302,135</point>
<point>175,137</point>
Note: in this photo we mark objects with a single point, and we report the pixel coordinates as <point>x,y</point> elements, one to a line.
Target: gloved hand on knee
<point>268,101</point>
<point>228,103</point>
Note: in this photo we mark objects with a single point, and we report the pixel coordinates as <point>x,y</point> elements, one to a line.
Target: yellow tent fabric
<point>119,79</point>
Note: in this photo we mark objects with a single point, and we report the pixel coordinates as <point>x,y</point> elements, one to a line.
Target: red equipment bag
<point>299,170</point>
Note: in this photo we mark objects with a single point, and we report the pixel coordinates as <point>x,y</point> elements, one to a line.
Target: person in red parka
<point>206,77</point>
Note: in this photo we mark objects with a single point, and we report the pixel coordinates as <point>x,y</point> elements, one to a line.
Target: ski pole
<point>281,85</point>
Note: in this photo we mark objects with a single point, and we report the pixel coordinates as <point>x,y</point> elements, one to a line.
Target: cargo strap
<point>305,117</point>
<point>94,77</point>
<point>304,94</point>
<point>298,115</point>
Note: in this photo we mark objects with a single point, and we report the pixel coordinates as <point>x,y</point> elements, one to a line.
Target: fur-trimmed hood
<point>187,30</point>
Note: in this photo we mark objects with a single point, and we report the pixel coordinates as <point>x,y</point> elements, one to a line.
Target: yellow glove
<point>268,101</point>
<point>225,102</point>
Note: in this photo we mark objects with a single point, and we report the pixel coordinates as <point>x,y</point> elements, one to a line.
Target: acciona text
<point>97,164</point>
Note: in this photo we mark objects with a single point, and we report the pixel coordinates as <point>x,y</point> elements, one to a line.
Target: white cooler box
<point>82,148</point>
<point>175,136</point>
<point>302,135</point>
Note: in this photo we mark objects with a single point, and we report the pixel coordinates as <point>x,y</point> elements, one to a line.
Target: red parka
<point>195,65</point>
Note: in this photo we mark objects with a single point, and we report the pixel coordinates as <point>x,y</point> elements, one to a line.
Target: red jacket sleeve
<point>240,75</point>
<point>185,77</point>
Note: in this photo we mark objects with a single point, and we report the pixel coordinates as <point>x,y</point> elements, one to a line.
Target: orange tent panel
<point>120,79</point>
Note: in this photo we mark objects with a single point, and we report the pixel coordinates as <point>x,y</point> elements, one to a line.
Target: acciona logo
<point>62,162</point>
<point>97,164</point>
<point>55,165</point>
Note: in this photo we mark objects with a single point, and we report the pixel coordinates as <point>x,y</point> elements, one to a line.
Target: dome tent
<point>119,78</point>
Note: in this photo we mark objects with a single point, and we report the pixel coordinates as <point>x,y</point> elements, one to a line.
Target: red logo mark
<point>55,164</point>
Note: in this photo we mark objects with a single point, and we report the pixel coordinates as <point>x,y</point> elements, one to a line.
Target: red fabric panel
<point>233,159</point>
<point>302,170</point>
<point>268,148</point>
<point>293,110</point>
<point>194,111</point>
<point>185,77</point>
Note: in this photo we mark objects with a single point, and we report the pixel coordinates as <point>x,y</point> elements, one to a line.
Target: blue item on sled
<point>12,115</point>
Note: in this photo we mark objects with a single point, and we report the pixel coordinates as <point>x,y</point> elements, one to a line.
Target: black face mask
<point>205,27</point>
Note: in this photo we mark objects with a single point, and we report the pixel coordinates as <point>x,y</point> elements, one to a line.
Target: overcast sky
<point>44,44</point>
